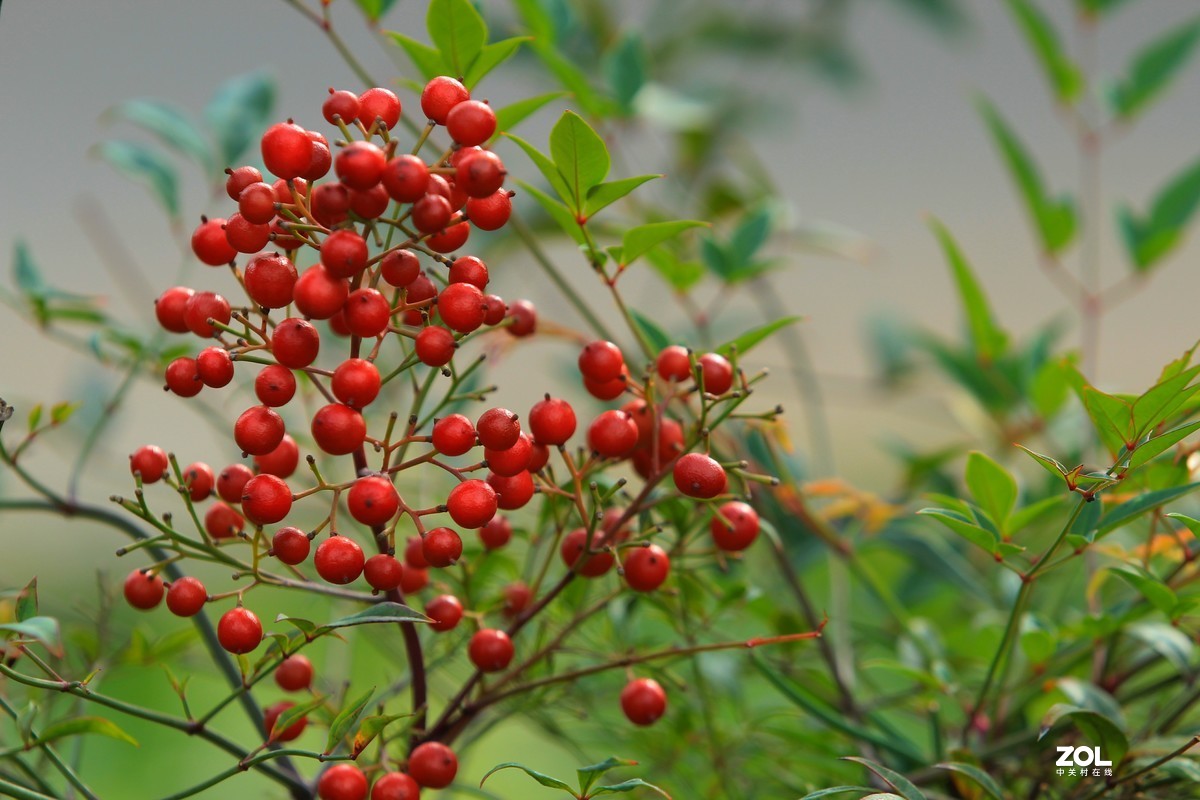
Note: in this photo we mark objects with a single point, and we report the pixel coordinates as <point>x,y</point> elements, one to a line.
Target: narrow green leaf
<point>513,114</point>
<point>428,60</point>
<point>345,720</point>
<point>1131,509</point>
<point>1024,517</point>
<point>985,781</point>
<point>374,9</point>
<point>1159,444</point>
<point>751,234</point>
<point>625,70</point>
<point>895,780</point>
<point>170,125</point>
<point>989,340</point>
<point>747,341</point>
<point>238,112</point>
<point>628,786</point>
<point>458,31</point>
<point>1063,75</point>
<point>1153,68</point>
<point>836,790</point>
<point>681,275</point>
<point>1148,586</point>
<point>1149,239</point>
<point>639,240</point>
<point>27,602</point>
<point>605,194</point>
<point>26,273</point>
<point>379,613</point>
<point>370,728</point>
<point>42,629</point>
<point>492,56</point>
<point>650,330</point>
<point>293,715</point>
<point>544,780</point>
<point>35,416</point>
<point>303,625</point>
<point>973,533</point>
<point>593,772</point>
<point>572,78</point>
<point>1160,400</point>
<point>580,155</point>
<point>994,489</point>
<point>1168,641</point>
<point>549,171</point>
<point>61,412</point>
<point>557,211</point>
<point>145,165</point>
<point>79,726</point>
<point>1099,730</point>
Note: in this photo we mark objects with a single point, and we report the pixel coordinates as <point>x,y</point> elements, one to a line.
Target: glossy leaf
<point>27,602</point>
<point>378,613</point>
<point>1160,400</point>
<point>1168,641</point>
<point>895,780</point>
<point>833,791</point>
<point>458,31</point>
<point>369,729</point>
<point>79,726</point>
<point>142,164</point>
<point>491,56</point>
<point>1153,68</point>
<point>580,155</point>
<point>987,337</point>
<point>966,528</point>
<point>1132,509</point>
<point>748,340</point>
<point>639,240</point>
<point>1148,239</point>
<point>593,772</point>
<point>515,113</point>
<point>345,719</point>
<point>1063,75</point>
<point>628,786</point>
<point>977,775</point>
<point>543,779</point>
<point>42,629</point>
<point>1151,448</point>
<point>994,489</point>
<point>238,112</point>
<point>561,215</point>
<point>1098,729</point>
<point>681,275</point>
<point>605,194</point>
<point>1148,586</point>
<point>293,715</point>
<point>428,60</point>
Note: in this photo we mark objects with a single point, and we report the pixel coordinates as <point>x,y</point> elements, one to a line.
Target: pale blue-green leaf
<point>145,165</point>
<point>238,112</point>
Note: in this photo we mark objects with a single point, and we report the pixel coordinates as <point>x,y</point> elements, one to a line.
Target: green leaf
<point>492,56</point>
<point>145,165</point>
<point>1150,448</point>
<point>1024,517</point>
<point>84,725</point>
<point>1131,509</point>
<point>641,239</point>
<point>605,194</point>
<point>966,528</point>
<point>374,9</point>
<point>345,719</point>
<point>985,781</point>
<point>293,715</point>
<point>1168,641</point>
<point>744,343</point>
<point>681,275</point>
<point>751,234</point>
<point>238,112</point>
<point>557,211</point>
<point>61,412</point>
<point>26,273</point>
<point>305,626</point>
<point>170,125</point>
<point>1153,68</point>
<point>625,70</point>
<point>548,169</point>
<point>35,416</point>
<point>42,629</point>
<point>1148,586</point>
<point>628,786</point>
<point>836,790</point>
<point>513,114</point>
<point>571,77</point>
<point>593,772</point>
<point>379,613</point>
<point>1098,7</point>
<point>1099,730</point>
<point>428,60</point>
<point>27,602</point>
<point>1063,75</point>
<point>458,30</point>
<point>994,489</point>
<point>1054,217</point>
<point>893,779</point>
<point>1148,239</point>
<point>650,330</point>
<point>580,155</point>
<point>370,728</point>
<point>989,340</point>
<point>544,780</point>
<point>1160,400</point>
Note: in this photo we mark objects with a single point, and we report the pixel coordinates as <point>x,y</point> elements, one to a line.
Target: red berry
<point>433,765</point>
<point>498,428</point>
<point>379,103</point>
<point>643,701</point>
<point>266,499</point>
<point>186,596</point>
<point>232,482</point>
<point>490,650</point>
<point>275,386</point>
<point>322,159</point>
<point>290,545</point>
<point>507,463</point>
<point>214,367</point>
<point>143,591</point>
<point>517,597</point>
<point>420,289</point>
<point>258,430</point>
<point>460,305</point>
<point>286,150</point>
<point>271,280</point>
<point>356,382</point>
<point>613,434</point>
<point>400,267</point>
<point>606,390</point>
<point>272,713</point>
<point>674,364</point>
<point>210,245</point>
<point>496,532</point>
<point>370,203</point>
<point>280,462</point>
<point>431,213</point>
<point>697,475</point>
<point>406,178</point>
<point>480,174</point>
<point>150,462</point>
<point>340,103</point>
<point>435,346</point>
<point>339,560</point>
<point>539,456</point>
<point>524,318</point>
<point>256,203</point>
<point>344,253</point>
<point>414,553</point>
<point>203,306</point>
<point>440,96</point>
<point>283,191</point>
<point>469,269</point>
<point>452,238</point>
<point>453,435</point>
<point>395,786</point>
<point>735,526</point>
<point>471,503</point>
<point>717,373</point>
<point>294,673</point>
<point>183,377</point>
<point>330,204</point>
<point>239,630</point>
<point>646,568</point>
<point>338,429</point>
<point>513,492</point>
<point>295,343</point>
<point>490,213</point>
<point>445,610</point>
<point>244,236</point>
<point>552,421</point>
<point>383,572</point>
<point>373,500</point>
<point>413,580</point>
<point>471,122</point>
<point>367,313</point>
<point>239,179</point>
<point>360,165</point>
<point>319,293</point>
<point>199,480</point>
<point>342,782</point>
<point>572,550</point>
<point>170,306</point>
<point>222,522</point>
<point>441,547</point>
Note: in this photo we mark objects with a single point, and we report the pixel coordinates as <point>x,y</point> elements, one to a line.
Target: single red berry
<point>524,318</point>
<point>284,190</point>
<point>443,188</point>
<point>494,309</point>
<point>294,673</point>
<point>322,159</point>
<point>452,238</point>
<point>490,650</point>
<point>674,363</point>
<point>373,500</point>
<point>239,179</point>
<point>453,435</point>
<point>367,313</point>
<point>498,428</point>
<point>413,580</point>
<point>342,782</point>
<point>442,547</point>
<point>356,382</point>
<point>431,213</point>
<point>142,590</point>
<point>290,545</point>
<point>286,150</point>
<point>646,568</point>
<point>406,178</point>
<point>433,765</point>
<point>258,430</point>
<point>383,572</point>
<point>441,95</point>
<point>421,289</point>
<point>613,434</point>
<point>370,203</point>
<point>414,553</point>
<point>360,165</point>
<point>606,390</point>
<point>275,386</point>
<point>471,122</point>
<point>203,306</point>
<point>552,421</point>
<point>214,367</point>
<point>338,429</point>
<point>339,560</point>
<point>222,522</point>
<point>239,630</point>
<point>186,596</point>
<point>573,548</point>
<point>210,245</point>
<point>490,213</point>
<point>496,532</point>
<point>445,610</point>
<point>507,463</point>
<point>460,305</point>
<point>517,597</point>
<point>232,482</point>
<point>480,174</point>
<point>199,480</point>
<point>271,280</point>
<point>244,236</point>
<point>320,294</point>
<point>295,343</point>
<point>170,306</point>
<point>399,268</point>
<point>280,462</point>
<point>539,456</point>
<point>469,269</point>
<point>182,377</point>
<point>435,346</point>
<point>395,786</point>
<point>717,373</point>
<point>735,526</point>
<point>150,462</point>
<point>330,204</point>
<point>471,503</point>
<point>378,103</point>
<point>643,701</point>
<point>256,204</point>
<point>697,475</point>
<point>340,103</point>
<point>266,499</point>
<point>344,253</point>
<point>513,492</point>
<point>272,713</point>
